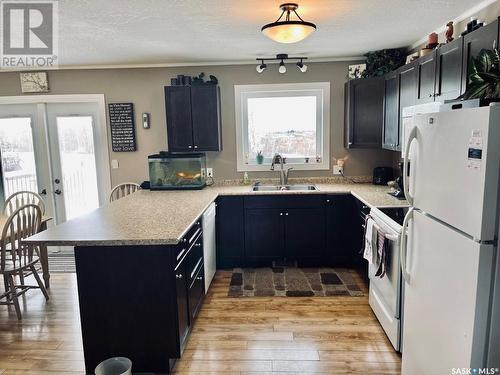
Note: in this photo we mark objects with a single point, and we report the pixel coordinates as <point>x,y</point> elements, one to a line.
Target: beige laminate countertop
<point>163,217</point>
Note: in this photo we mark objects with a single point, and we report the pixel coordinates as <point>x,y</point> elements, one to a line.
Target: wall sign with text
<point>122,121</point>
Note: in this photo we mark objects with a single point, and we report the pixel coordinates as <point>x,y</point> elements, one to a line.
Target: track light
<point>261,67</point>
<point>282,57</point>
<point>282,68</point>
<point>302,67</point>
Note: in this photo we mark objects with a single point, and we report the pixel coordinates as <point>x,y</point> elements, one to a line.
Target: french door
<point>58,150</point>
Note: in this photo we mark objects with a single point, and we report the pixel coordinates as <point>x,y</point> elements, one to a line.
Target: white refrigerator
<point>448,258</point>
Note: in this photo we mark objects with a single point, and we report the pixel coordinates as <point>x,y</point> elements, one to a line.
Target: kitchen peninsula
<point>139,270</point>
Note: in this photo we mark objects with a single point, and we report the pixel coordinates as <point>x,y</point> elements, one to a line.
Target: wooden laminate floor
<point>240,336</point>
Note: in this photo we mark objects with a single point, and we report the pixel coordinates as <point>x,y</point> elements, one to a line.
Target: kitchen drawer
<point>285,201</point>
<point>192,234</point>
<point>196,292</point>
<point>195,235</point>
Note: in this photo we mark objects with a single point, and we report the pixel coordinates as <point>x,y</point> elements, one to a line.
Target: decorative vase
<point>259,158</point>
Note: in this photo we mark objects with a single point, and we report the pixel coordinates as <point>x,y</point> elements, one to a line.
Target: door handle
<point>406,184</point>
<point>58,192</point>
<point>403,246</point>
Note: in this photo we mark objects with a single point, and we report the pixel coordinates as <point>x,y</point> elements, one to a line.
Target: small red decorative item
<point>449,32</point>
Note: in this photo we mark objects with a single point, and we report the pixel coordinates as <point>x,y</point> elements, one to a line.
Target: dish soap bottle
<point>246,180</point>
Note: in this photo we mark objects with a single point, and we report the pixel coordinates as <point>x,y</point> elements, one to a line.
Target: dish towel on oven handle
<point>370,252</point>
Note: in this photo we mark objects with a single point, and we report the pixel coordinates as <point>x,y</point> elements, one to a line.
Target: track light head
<point>301,66</point>
<point>282,68</point>
<point>261,67</point>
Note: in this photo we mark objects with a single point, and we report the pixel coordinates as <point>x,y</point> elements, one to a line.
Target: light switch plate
<point>114,164</point>
<point>338,170</point>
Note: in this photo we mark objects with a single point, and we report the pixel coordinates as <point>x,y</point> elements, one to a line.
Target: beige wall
<point>144,87</point>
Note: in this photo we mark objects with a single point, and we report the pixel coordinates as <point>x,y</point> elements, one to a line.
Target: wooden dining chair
<point>22,198</point>
<point>18,258</point>
<point>122,190</point>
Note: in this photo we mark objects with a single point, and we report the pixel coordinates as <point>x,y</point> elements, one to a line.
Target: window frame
<point>319,89</point>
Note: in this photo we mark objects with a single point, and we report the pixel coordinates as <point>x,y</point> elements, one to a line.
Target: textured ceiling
<point>121,32</point>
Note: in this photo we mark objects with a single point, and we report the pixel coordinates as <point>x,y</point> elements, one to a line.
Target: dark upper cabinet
<point>449,70</point>
<point>230,229</point>
<point>390,136</point>
<point>264,235</point>
<point>305,234</point>
<point>179,122</point>
<point>342,236</point>
<point>205,112</point>
<point>363,112</point>
<point>426,78</point>
<point>193,118</point>
<point>408,88</point>
<point>485,37</point>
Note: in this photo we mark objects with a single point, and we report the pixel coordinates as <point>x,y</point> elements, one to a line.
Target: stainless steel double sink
<point>295,187</point>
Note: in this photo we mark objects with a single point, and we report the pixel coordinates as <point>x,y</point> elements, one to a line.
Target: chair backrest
<point>122,190</point>
<point>24,222</point>
<point>22,198</point>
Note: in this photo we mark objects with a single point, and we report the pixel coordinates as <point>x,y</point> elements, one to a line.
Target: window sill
<point>296,167</point>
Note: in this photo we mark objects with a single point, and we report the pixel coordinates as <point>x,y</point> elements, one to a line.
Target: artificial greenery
<point>483,74</point>
<point>200,80</point>
<point>384,61</point>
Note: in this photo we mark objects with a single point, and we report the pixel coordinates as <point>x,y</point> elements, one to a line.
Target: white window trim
<point>242,92</point>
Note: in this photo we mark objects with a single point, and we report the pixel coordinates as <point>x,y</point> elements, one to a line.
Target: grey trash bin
<point>114,366</point>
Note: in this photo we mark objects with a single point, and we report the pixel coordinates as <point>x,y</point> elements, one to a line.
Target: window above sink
<point>292,120</point>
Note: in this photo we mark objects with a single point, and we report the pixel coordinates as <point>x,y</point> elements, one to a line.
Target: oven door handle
<point>403,248</point>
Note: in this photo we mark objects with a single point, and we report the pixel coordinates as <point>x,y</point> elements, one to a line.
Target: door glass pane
<point>18,156</point>
<point>78,165</point>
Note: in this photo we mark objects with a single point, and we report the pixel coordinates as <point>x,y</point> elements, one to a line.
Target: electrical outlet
<point>210,172</point>
<point>338,170</point>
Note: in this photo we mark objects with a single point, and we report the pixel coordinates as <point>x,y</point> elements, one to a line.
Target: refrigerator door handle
<point>406,178</point>
<point>403,248</point>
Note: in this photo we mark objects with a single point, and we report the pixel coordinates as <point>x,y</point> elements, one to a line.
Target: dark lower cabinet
<point>305,235</point>
<point>182,304</point>
<point>449,70</point>
<point>343,233</point>
<point>196,292</point>
<point>485,37</point>
<point>390,138</point>
<point>230,231</point>
<point>363,112</point>
<point>313,230</point>
<point>264,236</point>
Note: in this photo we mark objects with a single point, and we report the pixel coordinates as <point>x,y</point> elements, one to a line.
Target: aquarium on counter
<point>168,171</point>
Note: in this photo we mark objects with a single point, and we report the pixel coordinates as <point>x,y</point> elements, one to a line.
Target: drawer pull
<point>196,267</point>
<point>194,235</point>
<point>179,276</point>
<point>199,278</point>
<point>181,254</point>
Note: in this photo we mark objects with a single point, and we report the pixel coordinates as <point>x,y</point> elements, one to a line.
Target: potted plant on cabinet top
<point>483,78</point>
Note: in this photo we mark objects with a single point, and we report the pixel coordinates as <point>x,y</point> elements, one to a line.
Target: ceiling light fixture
<point>287,30</point>
<point>302,67</point>
<point>261,67</point>
<point>282,57</point>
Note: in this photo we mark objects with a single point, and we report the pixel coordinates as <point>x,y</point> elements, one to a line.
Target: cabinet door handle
<point>286,214</point>
<point>281,213</point>
<point>190,146</point>
<point>195,146</point>
<point>197,244</point>
<point>179,276</point>
<point>328,201</point>
<point>199,278</point>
